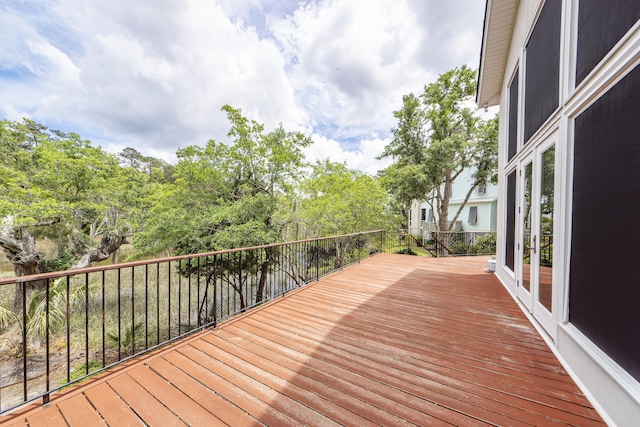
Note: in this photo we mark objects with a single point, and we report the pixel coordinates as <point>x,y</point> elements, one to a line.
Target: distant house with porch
<point>479,213</point>
<point>566,75</point>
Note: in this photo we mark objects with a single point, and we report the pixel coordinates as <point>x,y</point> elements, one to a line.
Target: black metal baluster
<point>133,312</point>
<point>198,296</point>
<point>215,291</point>
<point>146,305</point>
<point>169,300</point>
<point>24,339</point>
<point>45,398</point>
<point>179,300</point>
<point>104,350</point>
<point>203,303</point>
<point>68,332</point>
<point>86,323</point>
<point>189,295</point>
<point>242,287</point>
<point>119,318</point>
<point>235,302</point>
<point>157,303</point>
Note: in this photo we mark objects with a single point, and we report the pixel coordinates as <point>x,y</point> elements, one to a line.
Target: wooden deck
<point>396,340</point>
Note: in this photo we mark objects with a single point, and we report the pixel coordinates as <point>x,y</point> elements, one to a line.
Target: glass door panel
<point>536,209</point>
<point>545,228</point>
<point>526,225</point>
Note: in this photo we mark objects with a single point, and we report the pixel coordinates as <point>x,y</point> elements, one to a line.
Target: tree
<point>337,200</point>
<point>436,139</point>
<point>58,186</point>
<point>226,196</point>
<point>157,169</point>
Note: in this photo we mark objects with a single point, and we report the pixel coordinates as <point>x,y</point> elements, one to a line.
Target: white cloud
<point>364,158</point>
<point>153,74</point>
<point>63,67</point>
<point>352,60</point>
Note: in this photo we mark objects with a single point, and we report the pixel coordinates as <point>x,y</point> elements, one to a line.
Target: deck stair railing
<point>75,323</point>
<point>462,243</point>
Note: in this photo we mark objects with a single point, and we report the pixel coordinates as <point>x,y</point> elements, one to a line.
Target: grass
<point>80,372</point>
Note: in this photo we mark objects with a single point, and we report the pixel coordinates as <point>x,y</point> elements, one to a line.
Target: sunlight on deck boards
<point>395,340</point>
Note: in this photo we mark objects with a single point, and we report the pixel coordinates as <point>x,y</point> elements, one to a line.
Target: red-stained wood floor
<point>395,340</point>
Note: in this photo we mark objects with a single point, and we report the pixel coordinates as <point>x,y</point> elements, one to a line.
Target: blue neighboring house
<point>479,213</point>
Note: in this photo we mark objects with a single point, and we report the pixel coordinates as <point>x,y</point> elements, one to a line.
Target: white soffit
<point>499,21</point>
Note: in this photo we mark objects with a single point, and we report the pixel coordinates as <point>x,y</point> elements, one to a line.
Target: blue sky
<point>153,74</point>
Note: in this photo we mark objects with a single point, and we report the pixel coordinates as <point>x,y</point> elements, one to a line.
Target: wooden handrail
<point>52,275</point>
<point>433,234</point>
<point>419,243</point>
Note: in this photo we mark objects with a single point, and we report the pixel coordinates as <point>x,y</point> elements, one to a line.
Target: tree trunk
<point>25,258</point>
<point>443,209</point>
<point>22,253</point>
<point>341,253</point>
<point>109,243</point>
<point>264,271</point>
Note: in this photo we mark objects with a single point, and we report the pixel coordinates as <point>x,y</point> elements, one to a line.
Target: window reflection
<point>526,228</point>
<point>545,296</point>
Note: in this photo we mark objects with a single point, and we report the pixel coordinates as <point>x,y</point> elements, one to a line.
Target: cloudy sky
<point>153,74</point>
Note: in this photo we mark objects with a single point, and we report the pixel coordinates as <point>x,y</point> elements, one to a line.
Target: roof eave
<point>499,21</point>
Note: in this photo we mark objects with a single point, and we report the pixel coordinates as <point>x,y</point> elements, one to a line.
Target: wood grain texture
<point>394,340</point>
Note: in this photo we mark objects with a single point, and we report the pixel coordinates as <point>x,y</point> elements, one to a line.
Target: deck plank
<point>294,409</point>
<point>439,401</point>
<point>112,408</point>
<point>279,373</point>
<point>394,340</point>
<point>174,399</point>
<point>368,339</point>
<point>78,410</point>
<point>214,403</point>
<point>237,395</point>
<point>144,403</point>
<point>47,417</point>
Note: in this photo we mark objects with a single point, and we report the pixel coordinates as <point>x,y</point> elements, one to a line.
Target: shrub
<point>485,244</point>
<point>406,251</point>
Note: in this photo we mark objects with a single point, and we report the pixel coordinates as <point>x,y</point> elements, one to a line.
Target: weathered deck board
<point>395,340</point>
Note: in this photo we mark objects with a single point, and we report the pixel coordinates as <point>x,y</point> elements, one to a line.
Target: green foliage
<point>81,370</point>
<point>436,138</point>
<point>126,340</point>
<point>336,200</point>
<point>57,295</point>
<point>225,196</point>
<point>485,244</point>
<point>7,317</point>
<point>61,262</point>
<point>406,251</point>
<point>458,244</point>
<point>61,187</point>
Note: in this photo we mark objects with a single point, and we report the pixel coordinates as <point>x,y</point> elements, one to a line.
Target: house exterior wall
<point>594,324</point>
<point>484,202</point>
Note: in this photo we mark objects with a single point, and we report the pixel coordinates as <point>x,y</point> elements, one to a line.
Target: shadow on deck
<point>394,340</point>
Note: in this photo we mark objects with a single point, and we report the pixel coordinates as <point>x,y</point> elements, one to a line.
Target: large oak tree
<point>58,186</point>
<point>437,137</point>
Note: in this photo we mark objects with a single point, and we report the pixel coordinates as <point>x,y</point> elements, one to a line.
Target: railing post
<point>86,322</point>
<point>215,291</point>
<point>133,310</point>
<point>45,398</point>
<point>24,339</point>
<point>198,296</point>
<point>317,260</point>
